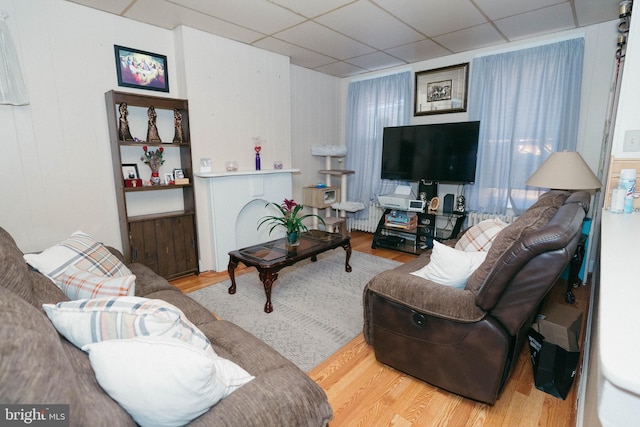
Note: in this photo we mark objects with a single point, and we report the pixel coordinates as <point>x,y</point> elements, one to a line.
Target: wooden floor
<point>366,393</point>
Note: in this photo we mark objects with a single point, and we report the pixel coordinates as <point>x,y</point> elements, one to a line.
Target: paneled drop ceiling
<point>349,37</point>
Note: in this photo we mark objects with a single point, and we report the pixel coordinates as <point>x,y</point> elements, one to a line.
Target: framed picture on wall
<point>142,70</point>
<point>441,90</point>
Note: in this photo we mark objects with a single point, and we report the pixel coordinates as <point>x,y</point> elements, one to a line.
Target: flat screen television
<point>440,152</point>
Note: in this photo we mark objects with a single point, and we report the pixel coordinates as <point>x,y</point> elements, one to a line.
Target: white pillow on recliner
<point>449,266</point>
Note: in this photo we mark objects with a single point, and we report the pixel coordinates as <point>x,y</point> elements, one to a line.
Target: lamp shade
<point>564,170</point>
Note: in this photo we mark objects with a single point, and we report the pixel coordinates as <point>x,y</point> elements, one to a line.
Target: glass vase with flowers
<point>291,219</point>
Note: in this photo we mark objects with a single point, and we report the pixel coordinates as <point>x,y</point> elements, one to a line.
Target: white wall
<point>235,92</point>
<point>614,406</point>
<point>316,115</point>
<point>627,117</point>
<point>55,151</point>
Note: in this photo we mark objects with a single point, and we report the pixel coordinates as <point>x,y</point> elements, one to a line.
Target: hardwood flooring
<point>366,393</point>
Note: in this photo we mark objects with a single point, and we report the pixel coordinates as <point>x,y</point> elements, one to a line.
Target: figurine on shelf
<point>152,130</point>
<point>178,137</point>
<point>123,129</point>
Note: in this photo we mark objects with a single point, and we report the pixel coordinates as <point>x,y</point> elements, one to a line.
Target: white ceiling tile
<point>364,21</point>
<point>299,56</point>
<point>341,69</point>
<point>311,8</point>
<point>594,11</point>
<point>496,9</point>
<point>541,21</point>
<point>434,17</point>
<point>113,6</point>
<point>471,38</point>
<point>420,51</point>
<point>168,15</point>
<point>365,31</point>
<point>320,39</point>
<point>376,61</point>
<point>259,15</point>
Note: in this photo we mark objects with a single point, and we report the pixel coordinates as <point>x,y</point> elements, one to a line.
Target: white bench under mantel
<point>237,201</point>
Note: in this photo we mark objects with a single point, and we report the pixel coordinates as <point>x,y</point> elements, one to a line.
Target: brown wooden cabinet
<point>157,222</point>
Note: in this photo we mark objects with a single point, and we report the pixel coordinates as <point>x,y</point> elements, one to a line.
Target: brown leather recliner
<point>465,340</point>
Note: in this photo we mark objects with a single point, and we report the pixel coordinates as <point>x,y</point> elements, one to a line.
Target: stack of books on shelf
<point>402,220</point>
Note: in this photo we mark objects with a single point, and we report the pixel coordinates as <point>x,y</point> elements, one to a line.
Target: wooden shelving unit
<point>166,239</point>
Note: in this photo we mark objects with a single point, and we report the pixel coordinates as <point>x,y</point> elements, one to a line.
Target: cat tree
<point>337,223</point>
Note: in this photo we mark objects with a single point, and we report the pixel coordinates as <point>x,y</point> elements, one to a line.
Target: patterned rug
<point>317,306</point>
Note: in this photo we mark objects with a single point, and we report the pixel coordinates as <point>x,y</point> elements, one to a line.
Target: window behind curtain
<point>528,104</point>
<point>373,105</point>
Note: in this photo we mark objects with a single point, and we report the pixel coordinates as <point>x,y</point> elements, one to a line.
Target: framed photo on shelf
<point>441,90</point>
<point>178,173</point>
<point>141,70</point>
<point>130,171</point>
<point>168,179</point>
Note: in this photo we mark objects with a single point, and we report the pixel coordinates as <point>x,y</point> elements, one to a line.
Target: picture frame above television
<point>441,90</point>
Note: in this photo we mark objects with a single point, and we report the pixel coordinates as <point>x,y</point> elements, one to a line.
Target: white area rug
<point>317,306</point>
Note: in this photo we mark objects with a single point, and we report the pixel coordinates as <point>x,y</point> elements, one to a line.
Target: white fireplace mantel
<point>237,201</point>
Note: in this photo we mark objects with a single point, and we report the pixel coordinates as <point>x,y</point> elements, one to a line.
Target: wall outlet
<point>631,141</point>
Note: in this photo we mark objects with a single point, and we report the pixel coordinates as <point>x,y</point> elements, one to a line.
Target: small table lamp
<point>567,170</point>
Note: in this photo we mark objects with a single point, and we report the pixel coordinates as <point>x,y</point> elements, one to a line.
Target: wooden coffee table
<point>270,257</point>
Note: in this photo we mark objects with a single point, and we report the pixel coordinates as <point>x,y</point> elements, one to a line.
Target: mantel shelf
<point>247,172</point>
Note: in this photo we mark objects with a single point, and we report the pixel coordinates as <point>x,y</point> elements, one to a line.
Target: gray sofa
<point>39,366</point>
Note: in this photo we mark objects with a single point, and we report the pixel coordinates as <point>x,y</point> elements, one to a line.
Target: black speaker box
<point>448,204</point>
<point>429,188</point>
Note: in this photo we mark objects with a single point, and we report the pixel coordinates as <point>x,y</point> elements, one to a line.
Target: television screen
<point>439,152</point>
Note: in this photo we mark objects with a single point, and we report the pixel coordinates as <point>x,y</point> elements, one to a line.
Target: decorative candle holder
<point>231,166</point>
<point>257,146</point>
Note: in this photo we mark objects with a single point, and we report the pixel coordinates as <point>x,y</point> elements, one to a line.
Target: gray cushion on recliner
<point>487,273</point>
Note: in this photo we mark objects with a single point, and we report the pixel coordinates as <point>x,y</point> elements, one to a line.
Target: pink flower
<point>289,204</point>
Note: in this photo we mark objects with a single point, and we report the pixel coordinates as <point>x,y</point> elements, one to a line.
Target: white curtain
<point>528,104</point>
<point>12,90</point>
<point>373,105</point>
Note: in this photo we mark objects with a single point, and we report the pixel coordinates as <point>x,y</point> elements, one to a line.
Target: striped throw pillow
<point>94,320</point>
<point>80,250</point>
<point>80,284</point>
<point>480,236</point>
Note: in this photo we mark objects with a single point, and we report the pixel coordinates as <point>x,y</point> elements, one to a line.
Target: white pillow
<point>449,266</point>
<point>80,250</point>
<point>80,284</point>
<point>87,321</point>
<point>163,381</point>
<point>480,236</point>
